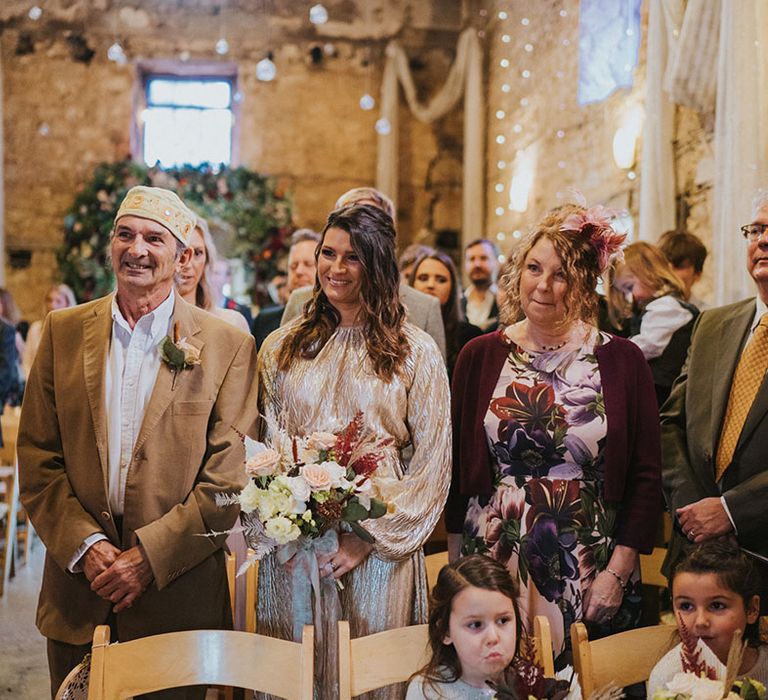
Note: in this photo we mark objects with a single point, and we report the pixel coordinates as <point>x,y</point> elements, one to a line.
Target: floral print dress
<point>546,519</point>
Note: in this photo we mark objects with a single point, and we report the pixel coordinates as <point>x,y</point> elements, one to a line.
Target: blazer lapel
<point>97,331</point>
<point>728,354</point>
<point>166,384</point>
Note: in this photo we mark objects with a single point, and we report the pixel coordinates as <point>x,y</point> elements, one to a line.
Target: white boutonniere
<point>177,353</point>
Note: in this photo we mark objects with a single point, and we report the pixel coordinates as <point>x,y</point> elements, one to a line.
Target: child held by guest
<point>662,320</point>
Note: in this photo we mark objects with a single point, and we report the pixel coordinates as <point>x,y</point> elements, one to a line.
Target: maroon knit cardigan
<point>632,450</point>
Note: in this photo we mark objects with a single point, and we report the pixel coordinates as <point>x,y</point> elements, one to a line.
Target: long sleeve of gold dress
<point>323,394</point>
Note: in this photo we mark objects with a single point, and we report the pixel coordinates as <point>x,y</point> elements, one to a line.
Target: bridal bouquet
<point>299,489</point>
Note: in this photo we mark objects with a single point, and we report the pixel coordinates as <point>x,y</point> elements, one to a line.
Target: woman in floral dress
<point>556,437</point>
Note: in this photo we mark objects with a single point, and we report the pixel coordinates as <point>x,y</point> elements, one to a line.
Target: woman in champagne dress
<point>354,351</point>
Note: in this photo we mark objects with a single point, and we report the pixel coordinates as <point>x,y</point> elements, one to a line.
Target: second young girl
<point>715,592</point>
<point>474,631</point>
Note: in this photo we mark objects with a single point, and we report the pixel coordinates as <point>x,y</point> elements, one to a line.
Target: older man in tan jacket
<point>128,432</point>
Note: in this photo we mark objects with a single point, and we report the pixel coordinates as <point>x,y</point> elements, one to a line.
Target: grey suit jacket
<point>423,311</point>
<point>691,421</point>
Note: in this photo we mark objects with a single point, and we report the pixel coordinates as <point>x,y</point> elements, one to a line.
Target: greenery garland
<point>248,209</point>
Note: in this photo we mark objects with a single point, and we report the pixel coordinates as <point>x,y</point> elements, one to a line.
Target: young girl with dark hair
<point>474,631</point>
<point>715,592</point>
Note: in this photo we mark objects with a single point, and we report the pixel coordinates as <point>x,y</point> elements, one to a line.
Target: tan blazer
<point>186,452</point>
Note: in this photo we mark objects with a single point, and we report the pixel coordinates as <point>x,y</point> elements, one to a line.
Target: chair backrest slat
<point>201,657</point>
<point>622,659</point>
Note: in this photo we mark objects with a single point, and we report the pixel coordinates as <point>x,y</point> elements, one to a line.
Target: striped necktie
<point>746,381</point>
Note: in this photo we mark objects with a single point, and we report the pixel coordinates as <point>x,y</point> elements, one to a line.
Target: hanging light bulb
<point>35,13</point>
<point>266,70</point>
<point>318,14</point>
<point>383,126</point>
<point>367,102</point>
<point>115,53</point>
<point>222,46</point>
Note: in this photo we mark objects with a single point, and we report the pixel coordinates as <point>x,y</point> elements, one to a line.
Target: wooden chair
<point>622,659</point>
<point>381,659</point>
<point>542,641</point>
<point>433,563</point>
<point>201,657</point>
<point>251,599</point>
<point>401,652</point>
<point>9,504</point>
<point>650,567</point>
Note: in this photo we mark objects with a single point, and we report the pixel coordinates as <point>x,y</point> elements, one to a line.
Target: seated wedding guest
<point>191,280</point>
<point>686,253</point>
<point>539,481</point>
<point>301,273</point>
<point>219,279</point>
<point>662,323</point>
<point>9,363</point>
<point>435,274</point>
<point>59,296</point>
<point>423,310</point>
<point>715,591</point>
<point>481,264</point>
<point>474,631</point>
<point>9,313</point>
<point>408,259</point>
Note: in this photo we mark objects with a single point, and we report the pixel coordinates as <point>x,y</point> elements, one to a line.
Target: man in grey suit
<point>715,427</point>
<point>423,310</point>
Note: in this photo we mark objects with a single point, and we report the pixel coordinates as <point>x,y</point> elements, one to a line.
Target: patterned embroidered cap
<point>162,206</point>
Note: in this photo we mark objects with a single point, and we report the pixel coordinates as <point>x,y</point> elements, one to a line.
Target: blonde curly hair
<point>579,260</point>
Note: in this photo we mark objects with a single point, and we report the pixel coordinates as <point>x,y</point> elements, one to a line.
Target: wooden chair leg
<point>10,503</point>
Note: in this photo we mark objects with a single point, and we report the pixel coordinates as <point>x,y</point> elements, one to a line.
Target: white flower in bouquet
<point>249,497</point>
<point>321,441</point>
<point>299,490</point>
<point>694,687</point>
<point>281,529</point>
<point>279,501</point>
<point>263,463</point>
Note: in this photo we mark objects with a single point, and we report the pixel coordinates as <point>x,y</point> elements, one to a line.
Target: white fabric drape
<point>741,140</point>
<point>465,78</point>
<point>685,45</point>
<point>691,71</point>
<point>657,187</point>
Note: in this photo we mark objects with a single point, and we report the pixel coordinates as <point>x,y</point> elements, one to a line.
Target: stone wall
<point>64,112</point>
<point>572,144</point>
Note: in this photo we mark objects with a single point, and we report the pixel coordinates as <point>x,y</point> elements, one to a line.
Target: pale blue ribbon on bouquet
<point>306,580</point>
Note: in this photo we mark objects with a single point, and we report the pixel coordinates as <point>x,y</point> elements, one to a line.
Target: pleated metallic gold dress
<point>323,394</point>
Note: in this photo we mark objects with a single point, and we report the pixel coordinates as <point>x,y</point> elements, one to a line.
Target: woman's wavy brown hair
<point>580,264</point>
<point>372,237</point>
<point>475,570</point>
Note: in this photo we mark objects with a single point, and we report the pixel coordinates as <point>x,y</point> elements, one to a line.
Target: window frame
<point>182,70</point>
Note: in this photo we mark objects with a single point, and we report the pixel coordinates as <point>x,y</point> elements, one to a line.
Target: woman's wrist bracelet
<point>617,577</point>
